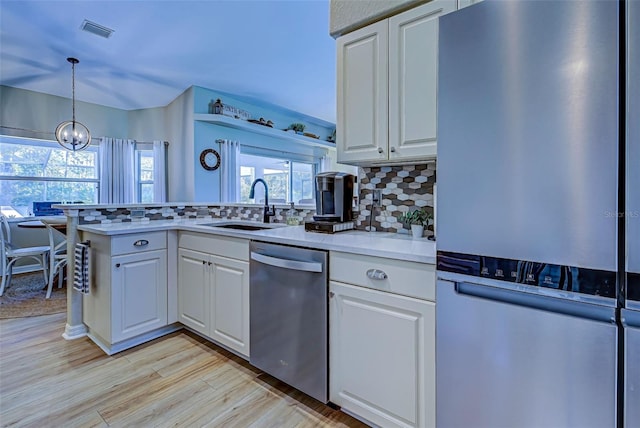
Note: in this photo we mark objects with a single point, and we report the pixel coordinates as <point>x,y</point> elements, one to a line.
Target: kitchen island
<point>153,277</point>
<point>382,244</point>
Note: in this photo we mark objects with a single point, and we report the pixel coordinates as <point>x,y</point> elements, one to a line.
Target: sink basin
<point>243,226</point>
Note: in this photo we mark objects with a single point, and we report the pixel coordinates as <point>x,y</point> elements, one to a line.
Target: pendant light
<point>73,135</point>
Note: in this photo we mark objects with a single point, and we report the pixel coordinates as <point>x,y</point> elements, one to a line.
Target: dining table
<point>59,224</point>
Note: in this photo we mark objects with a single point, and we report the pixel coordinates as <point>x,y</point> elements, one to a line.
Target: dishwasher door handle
<point>286,263</point>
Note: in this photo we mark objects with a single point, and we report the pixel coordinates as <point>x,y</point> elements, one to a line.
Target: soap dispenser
<point>292,216</point>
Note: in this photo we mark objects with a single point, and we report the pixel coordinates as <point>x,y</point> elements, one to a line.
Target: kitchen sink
<point>244,225</point>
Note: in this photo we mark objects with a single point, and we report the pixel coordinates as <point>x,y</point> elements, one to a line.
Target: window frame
<point>51,144</point>
<point>139,149</point>
<point>291,158</point>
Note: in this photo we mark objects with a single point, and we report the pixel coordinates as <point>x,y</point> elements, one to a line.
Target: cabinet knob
<point>210,263</point>
<point>331,294</point>
<point>380,150</point>
<point>392,150</point>
<point>117,265</point>
<point>376,274</point>
<point>204,262</point>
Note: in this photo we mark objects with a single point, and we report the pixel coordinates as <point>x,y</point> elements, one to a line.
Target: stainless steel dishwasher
<point>289,315</point>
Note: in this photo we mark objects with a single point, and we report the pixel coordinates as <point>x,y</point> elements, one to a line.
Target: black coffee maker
<point>334,197</point>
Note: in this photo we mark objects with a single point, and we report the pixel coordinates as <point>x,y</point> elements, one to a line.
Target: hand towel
<point>81,270</point>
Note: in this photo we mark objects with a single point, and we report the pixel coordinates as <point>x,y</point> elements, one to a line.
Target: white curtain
<point>159,171</point>
<point>229,171</point>
<point>117,174</point>
<point>325,163</point>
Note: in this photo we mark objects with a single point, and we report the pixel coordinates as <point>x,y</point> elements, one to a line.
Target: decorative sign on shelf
<point>218,107</point>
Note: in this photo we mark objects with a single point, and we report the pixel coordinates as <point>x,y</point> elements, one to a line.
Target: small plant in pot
<point>298,128</point>
<point>418,219</point>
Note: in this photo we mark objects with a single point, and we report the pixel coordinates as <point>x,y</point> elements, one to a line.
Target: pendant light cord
<point>73,93</point>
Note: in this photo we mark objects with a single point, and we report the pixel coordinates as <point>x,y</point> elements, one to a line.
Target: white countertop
<point>381,244</point>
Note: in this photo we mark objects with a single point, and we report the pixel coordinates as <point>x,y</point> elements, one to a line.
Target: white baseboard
<point>111,349</point>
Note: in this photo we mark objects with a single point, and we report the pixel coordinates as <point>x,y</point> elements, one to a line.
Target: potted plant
<point>418,219</point>
<point>298,128</point>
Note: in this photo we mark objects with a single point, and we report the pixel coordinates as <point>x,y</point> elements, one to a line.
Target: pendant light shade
<point>73,135</point>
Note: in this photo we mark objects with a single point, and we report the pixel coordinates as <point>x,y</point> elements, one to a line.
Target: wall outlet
<point>137,213</point>
<point>377,196</point>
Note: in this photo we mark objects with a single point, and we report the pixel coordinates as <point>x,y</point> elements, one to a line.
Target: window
<point>39,170</point>
<point>144,175</point>
<point>288,180</point>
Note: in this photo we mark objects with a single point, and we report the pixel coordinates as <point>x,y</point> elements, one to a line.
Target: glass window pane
<point>144,165</point>
<point>20,194</point>
<point>44,163</point>
<point>276,173</point>
<point>146,192</point>
<point>303,185</point>
<point>145,160</point>
<point>36,161</point>
<point>247,175</point>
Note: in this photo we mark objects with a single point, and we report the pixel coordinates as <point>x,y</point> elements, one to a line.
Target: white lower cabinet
<point>229,303</point>
<point>382,355</point>
<point>194,286</point>
<point>213,290</point>
<point>139,293</point>
<point>127,304</point>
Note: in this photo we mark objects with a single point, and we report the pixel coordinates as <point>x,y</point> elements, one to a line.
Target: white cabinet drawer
<point>138,242</point>
<point>402,277</point>
<point>234,248</point>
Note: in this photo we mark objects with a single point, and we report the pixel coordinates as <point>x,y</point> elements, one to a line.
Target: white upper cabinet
<point>465,3</point>
<point>387,88</point>
<point>361,131</point>
<point>413,81</point>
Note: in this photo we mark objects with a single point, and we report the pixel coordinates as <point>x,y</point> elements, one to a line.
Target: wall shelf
<point>218,119</point>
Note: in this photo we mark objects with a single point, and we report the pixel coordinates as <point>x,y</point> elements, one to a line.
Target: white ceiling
<point>277,51</point>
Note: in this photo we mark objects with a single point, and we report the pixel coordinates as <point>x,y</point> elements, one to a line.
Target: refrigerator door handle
<point>544,303</point>
<point>630,318</point>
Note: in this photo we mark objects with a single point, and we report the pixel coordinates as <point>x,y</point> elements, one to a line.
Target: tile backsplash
<point>403,188</point>
<point>177,212</point>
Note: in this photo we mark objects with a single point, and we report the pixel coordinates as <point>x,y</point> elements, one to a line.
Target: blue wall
<point>207,183</point>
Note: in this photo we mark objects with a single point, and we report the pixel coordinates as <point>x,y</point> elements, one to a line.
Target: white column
<point>75,328</point>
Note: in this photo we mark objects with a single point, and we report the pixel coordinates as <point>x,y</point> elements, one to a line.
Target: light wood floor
<point>177,380</point>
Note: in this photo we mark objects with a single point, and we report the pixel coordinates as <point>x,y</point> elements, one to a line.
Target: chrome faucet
<point>267,212</point>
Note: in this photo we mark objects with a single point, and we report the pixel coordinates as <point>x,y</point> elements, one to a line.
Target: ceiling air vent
<point>97,29</point>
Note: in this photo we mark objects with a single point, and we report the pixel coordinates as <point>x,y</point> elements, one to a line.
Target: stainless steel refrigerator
<point>537,140</point>
<point>631,311</point>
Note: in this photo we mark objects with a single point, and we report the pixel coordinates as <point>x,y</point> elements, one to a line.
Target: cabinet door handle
<point>141,243</point>
<point>380,150</point>
<point>376,274</point>
<point>393,150</point>
<point>117,265</point>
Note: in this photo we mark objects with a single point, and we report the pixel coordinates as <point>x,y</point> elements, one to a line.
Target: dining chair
<point>57,256</point>
<point>11,254</point>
